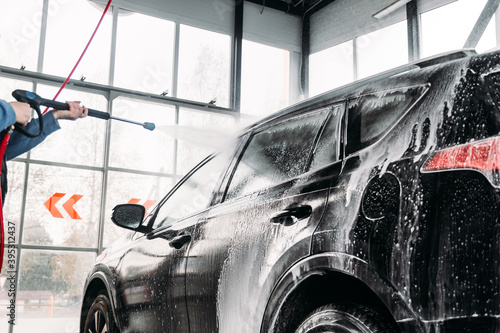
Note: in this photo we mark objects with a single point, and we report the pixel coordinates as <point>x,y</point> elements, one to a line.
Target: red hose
<point>81,56</point>
<point>3,147</point>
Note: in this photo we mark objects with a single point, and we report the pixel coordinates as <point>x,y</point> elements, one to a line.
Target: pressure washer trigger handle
<point>27,97</point>
<point>34,101</point>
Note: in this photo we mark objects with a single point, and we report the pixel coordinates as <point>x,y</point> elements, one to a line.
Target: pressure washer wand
<point>32,98</point>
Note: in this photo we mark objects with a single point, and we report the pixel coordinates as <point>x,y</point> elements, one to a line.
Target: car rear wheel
<point>100,318</point>
<point>345,318</point>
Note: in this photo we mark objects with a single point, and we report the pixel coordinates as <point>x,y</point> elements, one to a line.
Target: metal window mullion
<point>112,60</point>
<point>413,23</point>
<point>57,248</point>
<point>482,23</point>
<point>176,145</point>
<point>236,58</point>
<point>105,176</point>
<point>355,59</point>
<point>175,60</point>
<point>43,35</point>
<point>306,52</point>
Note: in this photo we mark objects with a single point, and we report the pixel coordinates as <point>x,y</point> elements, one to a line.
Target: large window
<point>77,142</point>
<point>448,27</point>
<point>265,79</point>
<point>382,49</point>
<point>144,53</point>
<point>20,23</point>
<point>204,66</point>
<point>199,134</point>
<point>62,206</point>
<point>67,37</point>
<point>133,147</point>
<point>331,68</point>
<point>124,187</point>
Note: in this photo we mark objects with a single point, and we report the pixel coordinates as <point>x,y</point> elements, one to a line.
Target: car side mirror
<point>129,216</point>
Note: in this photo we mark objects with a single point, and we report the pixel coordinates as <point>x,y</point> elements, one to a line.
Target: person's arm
<point>7,115</point>
<point>20,144</point>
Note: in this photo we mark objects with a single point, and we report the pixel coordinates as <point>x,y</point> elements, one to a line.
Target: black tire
<point>346,318</point>
<point>100,317</point>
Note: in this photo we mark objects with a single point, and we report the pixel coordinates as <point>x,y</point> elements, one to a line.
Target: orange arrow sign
<point>68,205</point>
<point>147,204</point>
<point>51,204</point>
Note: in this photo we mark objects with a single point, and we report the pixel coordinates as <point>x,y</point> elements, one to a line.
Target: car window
<point>194,194</point>
<point>327,149</point>
<point>371,116</point>
<point>276,154</point>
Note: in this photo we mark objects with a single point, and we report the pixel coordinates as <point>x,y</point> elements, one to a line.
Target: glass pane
<point>131,188</point>
<point>20,23</point>
<point>200,134</point>
<point>204,66</point>
<point>448,27</point>
<point>62,206</point>
<point>382,49</point>
<point>194,194</point>
<point>7,86</point>
<point>264,79</point>
<point>370,117</point>
<point>134,147</point>
<point>13,203</point>
<point>144,53</point>
<point>275,155</point>
<point>331,68</point>
<point>77,142</point>
<point>488,41</point>
<point>49,293</point>
<point>70,25</point>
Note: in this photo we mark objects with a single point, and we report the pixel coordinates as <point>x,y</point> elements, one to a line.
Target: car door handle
<point>292,215</point>
<point>178,241</point>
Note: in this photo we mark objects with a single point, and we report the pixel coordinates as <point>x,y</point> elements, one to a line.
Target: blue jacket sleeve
<point>19,143</point>
<point>7,115</point>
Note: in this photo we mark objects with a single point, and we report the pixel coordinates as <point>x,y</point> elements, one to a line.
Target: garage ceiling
<point>294,7</point>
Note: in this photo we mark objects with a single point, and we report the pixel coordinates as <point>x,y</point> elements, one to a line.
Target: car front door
<point>151,273</point>
<point>265,224</point>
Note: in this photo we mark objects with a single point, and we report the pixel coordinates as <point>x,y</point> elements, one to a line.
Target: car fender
<point>334,262</point>
<point>100,275</point>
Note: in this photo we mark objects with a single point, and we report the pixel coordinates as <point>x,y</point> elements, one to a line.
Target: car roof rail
<point>445,57</point>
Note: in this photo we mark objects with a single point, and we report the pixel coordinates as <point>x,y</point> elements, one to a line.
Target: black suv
<point>370,208</point>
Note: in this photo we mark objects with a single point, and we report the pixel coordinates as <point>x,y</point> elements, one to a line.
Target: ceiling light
<point>389,9</point>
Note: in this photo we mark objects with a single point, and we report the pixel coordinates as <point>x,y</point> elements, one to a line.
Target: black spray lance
<point>35,101</point>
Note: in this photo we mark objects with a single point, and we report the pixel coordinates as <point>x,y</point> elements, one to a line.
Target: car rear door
<point>265,223</point>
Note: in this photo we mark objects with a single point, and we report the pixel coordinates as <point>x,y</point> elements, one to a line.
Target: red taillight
<point>480,155</point>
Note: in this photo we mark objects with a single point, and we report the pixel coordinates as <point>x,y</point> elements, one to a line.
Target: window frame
<point>323,107</point>
<point>149,221</point>
<point>425,89</point>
